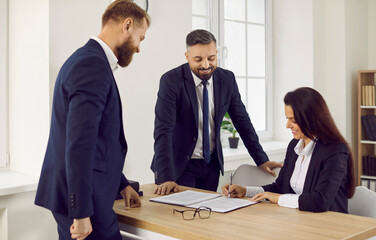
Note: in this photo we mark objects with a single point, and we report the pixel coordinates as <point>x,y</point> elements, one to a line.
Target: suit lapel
<point>191,90</point>
<point>96,45</point>
<point>121,137</point>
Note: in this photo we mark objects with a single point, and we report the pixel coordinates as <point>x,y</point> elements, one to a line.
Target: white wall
<point>371,34</point>
<point>71,24</point>
<point>330,57</point>
<point>293,55</point>
<point>357,50</point>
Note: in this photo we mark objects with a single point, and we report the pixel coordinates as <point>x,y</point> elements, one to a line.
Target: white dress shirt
<point>112,59</point>
<point>297,179</point>
<point>198,151</point>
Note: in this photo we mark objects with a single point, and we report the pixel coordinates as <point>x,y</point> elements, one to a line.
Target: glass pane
<point>257,103</point>
<point>242,89</point>
<point>235,43</point>
<point>256,51</point>
<point>200,23</point>
<point>234,9</point>
<point>256,11</point>
<point>200,7</point>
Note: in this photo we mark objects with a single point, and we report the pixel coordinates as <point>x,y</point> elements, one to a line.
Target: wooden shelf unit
<point>365,146</point>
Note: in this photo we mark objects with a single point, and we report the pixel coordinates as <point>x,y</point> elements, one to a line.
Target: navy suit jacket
<point>82,169</point>
<point>176,121</point>
<point>325,186</point>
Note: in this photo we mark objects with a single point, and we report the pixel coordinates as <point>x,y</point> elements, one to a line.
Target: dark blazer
<point>176,121</point>
<point>325,186</point>
<point>82,170</point>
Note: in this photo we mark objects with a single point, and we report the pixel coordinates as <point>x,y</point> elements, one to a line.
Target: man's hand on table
<point>167,187</point>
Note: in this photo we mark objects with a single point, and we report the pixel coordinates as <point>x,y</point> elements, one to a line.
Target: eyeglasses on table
<point>203,212</point>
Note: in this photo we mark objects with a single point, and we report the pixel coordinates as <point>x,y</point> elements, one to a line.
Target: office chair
<point>248,175</point>
<point>363,202</point>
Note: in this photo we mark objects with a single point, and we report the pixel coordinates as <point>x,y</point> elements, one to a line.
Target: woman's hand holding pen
<point>235,191</point>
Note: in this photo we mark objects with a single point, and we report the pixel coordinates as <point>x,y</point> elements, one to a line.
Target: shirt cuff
<point>252,191</point>
<point>289,200</point>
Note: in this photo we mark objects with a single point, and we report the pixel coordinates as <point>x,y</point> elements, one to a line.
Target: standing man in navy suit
<point>192,100</point>
<point>82,170</point>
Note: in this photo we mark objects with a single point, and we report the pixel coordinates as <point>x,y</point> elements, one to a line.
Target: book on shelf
<point>369,165</point>
<point>369,126</point>
<point>372,185</point>
<point>369,95</point>
<point>195,199</point>
<point>363,95</point>
<point>365,170</point>
<point>372,123</point>
<point>368,183</point>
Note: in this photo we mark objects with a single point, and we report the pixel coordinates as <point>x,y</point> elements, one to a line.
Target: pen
<point>229,185</point>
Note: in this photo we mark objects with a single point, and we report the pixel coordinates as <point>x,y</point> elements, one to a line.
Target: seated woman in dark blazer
<point>318,171</point>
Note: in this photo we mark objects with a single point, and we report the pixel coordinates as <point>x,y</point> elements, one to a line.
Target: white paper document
<point>194,199</point>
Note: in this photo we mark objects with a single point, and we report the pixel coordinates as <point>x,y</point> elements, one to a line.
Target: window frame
<point>217,28</point>
<point>4,90</point>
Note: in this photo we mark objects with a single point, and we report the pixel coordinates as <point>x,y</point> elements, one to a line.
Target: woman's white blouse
<point>297,179</point>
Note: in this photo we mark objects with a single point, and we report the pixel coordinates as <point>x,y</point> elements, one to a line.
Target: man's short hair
<point>122,9</point>
<point>200,36</point>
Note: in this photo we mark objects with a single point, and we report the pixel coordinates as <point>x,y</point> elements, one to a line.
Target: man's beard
<point>125,53</point>
<point>204,76</point>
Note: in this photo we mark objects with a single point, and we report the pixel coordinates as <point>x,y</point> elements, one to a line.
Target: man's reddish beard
<point>125,53</point>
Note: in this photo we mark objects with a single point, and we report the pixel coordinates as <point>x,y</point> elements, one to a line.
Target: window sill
<point>12,182</point>
<point>233,158</point>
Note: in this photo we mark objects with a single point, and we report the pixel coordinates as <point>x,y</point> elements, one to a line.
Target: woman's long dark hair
<point>315,121</point>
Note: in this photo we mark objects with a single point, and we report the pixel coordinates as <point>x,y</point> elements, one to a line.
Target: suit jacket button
<point>124,151</point>
<point>194,139</point>
<point>188,157</point>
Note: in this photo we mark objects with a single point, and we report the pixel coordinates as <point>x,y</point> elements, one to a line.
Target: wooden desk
<point>261,221</point>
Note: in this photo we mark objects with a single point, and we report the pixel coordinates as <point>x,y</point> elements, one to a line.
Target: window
<point>243,32</point>
<point>3,82</point>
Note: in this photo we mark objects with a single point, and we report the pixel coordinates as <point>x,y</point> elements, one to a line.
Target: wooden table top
<point>264,220</point>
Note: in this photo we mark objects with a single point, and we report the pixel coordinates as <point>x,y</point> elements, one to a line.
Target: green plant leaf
<point>228,125</point>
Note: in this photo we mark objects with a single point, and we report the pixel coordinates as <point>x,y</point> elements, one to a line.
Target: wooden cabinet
<point>366,147</point>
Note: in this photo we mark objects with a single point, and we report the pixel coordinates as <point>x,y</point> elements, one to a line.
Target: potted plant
<point>229,126</point>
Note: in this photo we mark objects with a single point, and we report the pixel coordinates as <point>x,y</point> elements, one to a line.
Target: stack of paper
<point>195,199</point>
